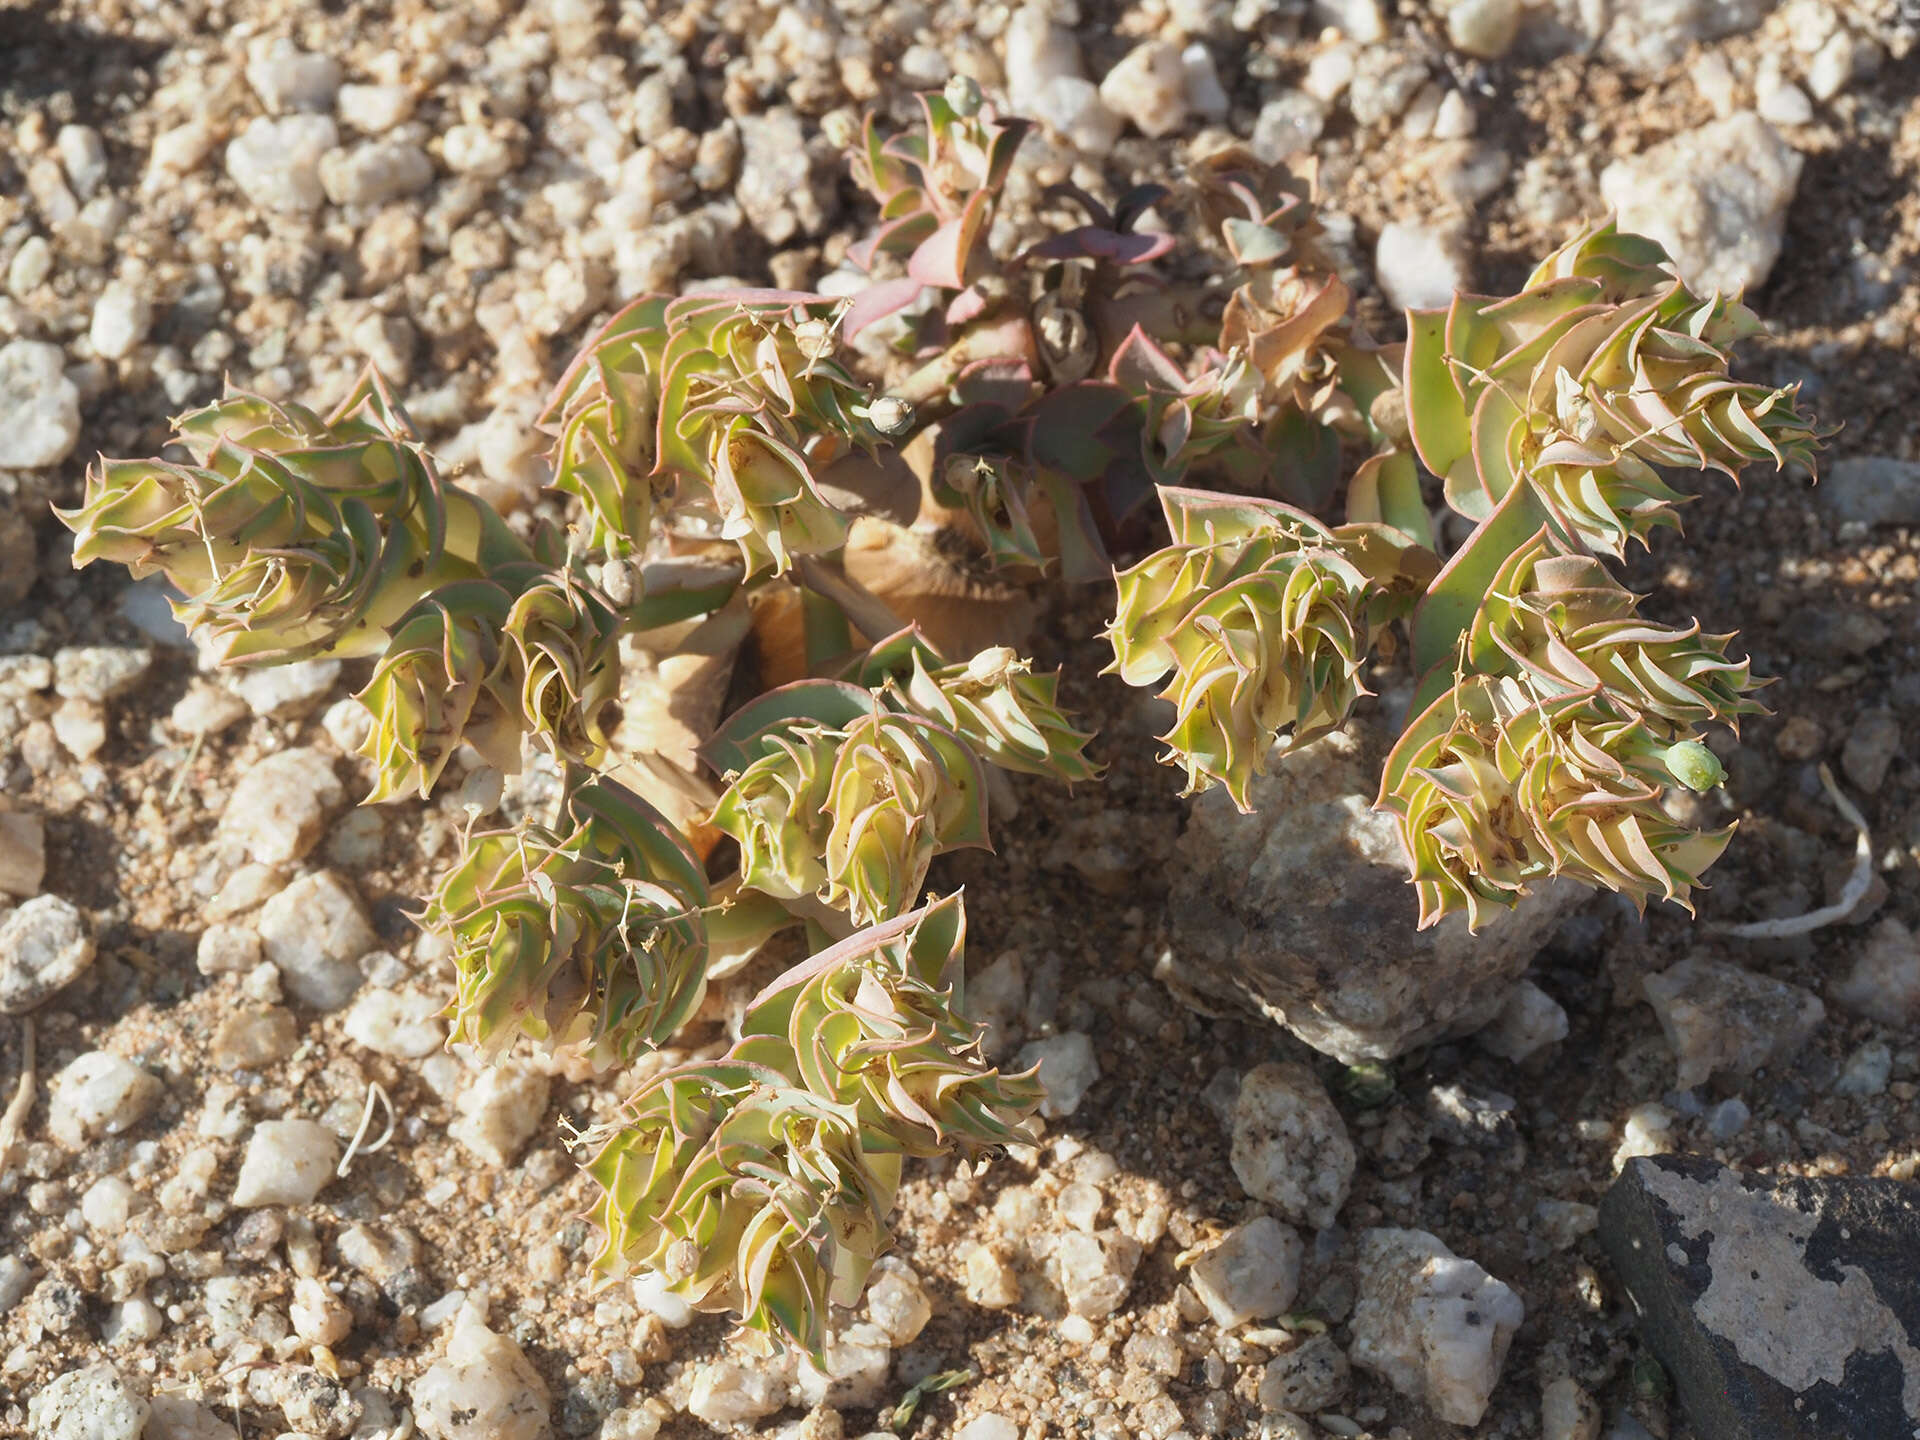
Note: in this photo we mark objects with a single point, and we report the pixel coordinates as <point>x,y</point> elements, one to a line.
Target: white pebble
<point>121,318</point>
<point>316,932</point>
<point>484,1389</point>
<point>319,1316</point>
<point>41,404</point>
<point>499,1111</point>
<point>286,77</point>
<point>375,173</point>
<point>1252,1273</point>
<point>90,1404</point>
<point>1290,1146</point>
<point>1484,28</point>
<point>107,1205</point>
<point>897,1303</point>
<point>276,163</point>
<point>1149,87</point>
<point>1418,266</point>
<point>1068,1068</point>
<point>288,1162</point>
<point>374,109</point>
<point>1095,1271</point>
<point>280,691</point>
<point>1072,109</point>
<point>403,1024</point>
<point>726,1392</point>
<point>1530,1020</point>
<point>45,945</point>
<point>99,1094</point>
<point>279,808</point>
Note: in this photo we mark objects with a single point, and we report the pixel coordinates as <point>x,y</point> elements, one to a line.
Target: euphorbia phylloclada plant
<point>729,462</point>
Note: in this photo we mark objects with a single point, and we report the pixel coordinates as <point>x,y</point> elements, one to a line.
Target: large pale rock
<point>1290,1146</point>
<point>484,1390</point>
<point>1304,909</point>
<point>1721,1018</point>
<point>41,403</point>
<point>1432,1325</point>
<point>45,945</point>
<point>1646,36</point>
<point>1715,197</point>
<point>90,1404</point>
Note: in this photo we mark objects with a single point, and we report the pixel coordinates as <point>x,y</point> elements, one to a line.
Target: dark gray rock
<point>1788,1308</point>
<point>1303,907</point>
<point>1873,490</point>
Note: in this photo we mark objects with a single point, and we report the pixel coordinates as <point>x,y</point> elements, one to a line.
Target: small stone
<point>858,1360</point>
<point>316,932</point>
<point>988,1427</point>
<point>1783,103</point>
<point>1883,985</point>
<point>41,403</point>
<point>288,1162</point>
<point>253,1036</point>
<point>227,950</point>
<point>1096,1271</point>
<point>122,316</point>
<point>1781,1307</point>
<point>477,151</point>
<point>1072,109</point>
<point>279,691</point>
<point>1872,744</point>
<point>1290,1146</point>
<point>281,805</point>
<point>99,1094</point>
<point>286,77</point>
<point>314,1404</point>
<point>1251,1274</point>
<point>727,1392</point>
<point>375,173</point>
<point>499,1111</point>
<point>1715,197</point>
<point>897,1303</point>
<point>175,1417</point>
<point>374,109</point>
<point>1068,1068</point>
<point>1038,52</point>
<point>1311,1376</point>
<point>1455,120</point>
<point>403,1024</point>
<point>1561,1223</point>
<point>1206,96</point>
<point>996,996</point>
<point>32,263</point>
<point>16,1279</point>
<point>1359,20</point>
<point>45,945</point>
<point>1728,1118</point>
<point>1867,1071</point>
<point>1484,28</point>
<point>991,1282</point>
<point>1721,1019</point>
<point>1287,125</point>
<point>1872,490</point>
<point>1420,267</point>
<point>1434,1326</point>
<point>484,1389</point>
<point>276,163</point>
<point>206,709</point>
<point>81,728</point>
<point>319,1316</point>
<point>90,1404</point>
<point>1530,1021</point>
<point>247,888</point>
<point>179,151</point>
<point>1149,88</point>
<point>1567,1412</point>
<point>1384,82</point>
<point>107,1205</point>
<point>1647,1130</point>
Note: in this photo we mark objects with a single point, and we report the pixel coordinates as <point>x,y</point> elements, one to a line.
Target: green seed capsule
<point>1695,766</point>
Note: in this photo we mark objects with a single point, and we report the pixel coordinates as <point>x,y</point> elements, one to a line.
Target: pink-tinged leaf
<point>1139,365</point>
<point>1455,595</point>
<point>1000,151</point>
<point>943,257</point>
<point>969,304</point>
<point>1199,517</point>
<point>1136,202</point>
<point>1083,559</point>
<point>1066,425</point>
<point>1090,242</point>
<point>877,302</point>
<point>1094,210</point>
<point>1436,413</point>
<point>1386,491</point>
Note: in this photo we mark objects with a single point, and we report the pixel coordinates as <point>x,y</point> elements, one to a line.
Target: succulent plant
<point>733,470</point>
<point>762,1182</point>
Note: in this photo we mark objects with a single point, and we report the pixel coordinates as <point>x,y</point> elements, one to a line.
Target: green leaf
<point>1386,491</point>
<point>829,703</point>
<point>1461,585</point>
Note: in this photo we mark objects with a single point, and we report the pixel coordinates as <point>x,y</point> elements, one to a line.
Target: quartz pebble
<point>90,1404</point>
<point>287,1162</point>
<point>1290,1146</point>
<point>227,950</point>
<point>1722,1019</point>
<point>375,173</point>
<point>278,691</point>
<point>1095,1271</point>
<point>1567,1412</point>
<point>500,1108</point>
<point>286,77</point>
<point>45,945</point>
<point>897,1303</point>
<point>1715,197</point>
<point>989,1280</point>
<point>206,709</point>
<point>1884,983</point>
<point>858,1361</point>
<point>1484,28</point>
<point>1068,1068</point>
<point>374,109</point>
<point>1434,1326</point>
<point>175,1417</point>
<point>316,932</point>
<point>1530,1021</point>
<point>121,317</point>
<point>1072,109</point>
<point>1287,125</point>
<point>276,163</point>
<point>99,1094</point>
<point>403,1024</point>
<point>1420,267</point>
<point>988,1427</point>
<point>252,1036</point>
<point>41,403</point>
<point>726,1392</point>
<point>1149,88</point>
<point>281,805</point>
<point>485,1389</point>
<point>1252,1273</point>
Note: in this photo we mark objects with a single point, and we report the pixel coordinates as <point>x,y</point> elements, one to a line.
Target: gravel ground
<point>225,990</point>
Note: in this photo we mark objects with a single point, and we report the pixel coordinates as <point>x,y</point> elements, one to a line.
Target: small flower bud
<point>963,94</point>
<point>891,416</point>
<point>1695,766</point>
